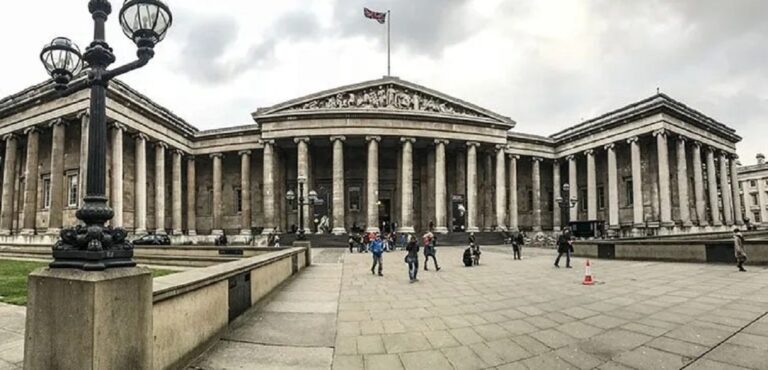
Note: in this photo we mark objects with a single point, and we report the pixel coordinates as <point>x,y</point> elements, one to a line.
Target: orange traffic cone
<point>588,275</point>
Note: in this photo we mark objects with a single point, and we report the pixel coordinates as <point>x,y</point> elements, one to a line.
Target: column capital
<point>216,155</point>
<point>696,144</point>
<point>267,142</point>
<point>536,159</point>
<point>570,158</point>
<point>178,152</point>
<point>190,158</point>
<point>161,144</point>
<point>117,125</point>
<point>633,140</point>
<point>141,136</point>
<point>84,114</point>
<point>473,143</point>
<point>408,138</point>
<point>442,141</point>
<point>56,122</point>
<point>338,138</point>
<point>734,156</point>
<point>681,139</point>
<point>589,152</point>
<point>244,152</point>
<point>372,138</point>
<point>10,136</point>
<point>661,131</point>
<point>611,146</point>
<point>304,139</point>
<point>514,156</point>
<point>31,129</point>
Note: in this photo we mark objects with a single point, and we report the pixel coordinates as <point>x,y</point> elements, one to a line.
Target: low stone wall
<point>191,309</point>
<point>703,251</point>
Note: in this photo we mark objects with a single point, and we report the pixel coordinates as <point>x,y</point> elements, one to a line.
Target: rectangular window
<point>600,197</point>
<point>754,199</point>
<point>72,190</point>
<point>354,198</point>
<point>238,200</point>
<point>583,200</point>
<point>551,202</point>
<point>756,217</point>
<point>752,183</point>
<point>46,192</point>
<point>629,191</point>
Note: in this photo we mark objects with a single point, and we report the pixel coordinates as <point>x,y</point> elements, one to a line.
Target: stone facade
<point>752,193</point>
<point>377,153</point>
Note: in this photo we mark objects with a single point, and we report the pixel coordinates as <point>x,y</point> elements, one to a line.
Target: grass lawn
<point>13,279</point>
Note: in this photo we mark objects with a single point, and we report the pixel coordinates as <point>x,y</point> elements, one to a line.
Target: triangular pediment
<point>386,95</point>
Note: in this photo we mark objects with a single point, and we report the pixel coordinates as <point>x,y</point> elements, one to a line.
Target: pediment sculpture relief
<point>390,97</point>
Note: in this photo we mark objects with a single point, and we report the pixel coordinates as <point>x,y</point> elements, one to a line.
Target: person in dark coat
<point>564,247</point>
<point>412,258</point>
<point>517,245</point>
<point>738,249</point>
<point>467,258</point>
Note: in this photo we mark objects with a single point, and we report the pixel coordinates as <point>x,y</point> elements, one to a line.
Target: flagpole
<point>389,65</point>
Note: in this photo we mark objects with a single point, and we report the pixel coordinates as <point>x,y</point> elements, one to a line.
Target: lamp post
<point>565,202</point>
<point>301,203</point>
<point>94,246</point>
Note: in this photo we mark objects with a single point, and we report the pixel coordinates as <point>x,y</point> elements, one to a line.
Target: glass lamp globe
<point>566,187</point>
<point>290,195</point>
<point>312,195</point>
<point>62,60</point>
<point>145,21</point>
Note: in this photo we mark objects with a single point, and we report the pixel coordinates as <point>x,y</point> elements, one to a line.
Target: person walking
<point>564,247</point>
<point>351,242</point>
<point>517,245</point>
<point>738,248</point>
<point>429,250</point>
<point>377,249</point>
<point>412,258</point>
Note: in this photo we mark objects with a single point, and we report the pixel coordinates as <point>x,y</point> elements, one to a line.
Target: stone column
<point>303,173</point>
<point>339,205</point>
<point>441,189</point>
<point>613,188</point>
<point>536,186</point>
<point>9,180</point>
<point>176,197</point>
<point>501,188</point>
<point>216,219</point>
<point>245,192</point>
<point>117,175</point>
<point>665,192</point>
<point>714,204</point>
<point>160,187</point>
<point>191,197</point>
<point>591,185</point>
<point>472,186</point>
<point>698,186</point>
<point>140,216</point>
<point>637,184</point>
<point>574,191</point>
<point>406,178</point>
<point>372,209</point>
<point>85,119</point>
<point>268,191</point>
<point>725,191</point>
<point>556,210</point>
<point>55,217</point>
<point>737,210</point>
<point>30,186</point>
<point>682,183</point>
<point>487,191</point>
<point>513,219</point>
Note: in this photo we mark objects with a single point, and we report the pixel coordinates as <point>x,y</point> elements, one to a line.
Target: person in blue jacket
<point>377,249</point>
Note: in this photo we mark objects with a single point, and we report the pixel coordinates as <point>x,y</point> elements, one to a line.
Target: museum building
<point>378,154</point>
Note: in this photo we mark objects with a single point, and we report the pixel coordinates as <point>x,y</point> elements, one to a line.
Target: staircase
<point>450,239</point>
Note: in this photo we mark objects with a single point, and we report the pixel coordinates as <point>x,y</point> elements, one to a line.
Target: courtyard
<point>503,314</point>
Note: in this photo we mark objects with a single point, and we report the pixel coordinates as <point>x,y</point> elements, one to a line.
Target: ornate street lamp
<point>93,246</point>
<point>312,198</point>
<point>565,201</point>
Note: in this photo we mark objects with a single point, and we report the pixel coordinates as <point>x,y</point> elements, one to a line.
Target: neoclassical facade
<point>753,183</point>
<point>379,153</point>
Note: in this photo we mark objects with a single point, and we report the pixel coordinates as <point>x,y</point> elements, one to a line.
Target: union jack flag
<point>379,17</point>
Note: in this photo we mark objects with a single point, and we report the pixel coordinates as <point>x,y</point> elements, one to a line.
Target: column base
<point>406,230</point>
<point>139,231</point>
<point>372,230</point>
<point>27,232</point>
<point>441,230</point>
<point>267,230</point>
<point>717,224</point>
<point>192,233</point>
<point>537,229</point>
<point>246,232</point>
<point>160,232</point>
<point>217,232</point>
<point>177,232</point>
<point>473,229</point>
<point>5,232</point>
<point>487,229</point>
<point>556,228</point>
<point>50,231</point>
<point>687,224</point>
<point>338,231</point>
<point>667,224</point>
<point>501,228</point>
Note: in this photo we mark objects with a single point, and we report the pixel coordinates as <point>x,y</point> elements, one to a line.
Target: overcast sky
<point>545,64</point>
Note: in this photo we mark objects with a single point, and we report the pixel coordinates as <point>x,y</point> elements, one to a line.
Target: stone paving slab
<point>12,321</point>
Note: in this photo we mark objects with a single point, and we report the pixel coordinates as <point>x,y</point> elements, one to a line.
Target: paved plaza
<point>504,314</point>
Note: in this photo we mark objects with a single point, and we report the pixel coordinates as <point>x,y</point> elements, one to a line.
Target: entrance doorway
<point>385,218</point>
